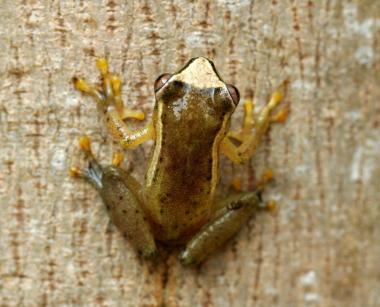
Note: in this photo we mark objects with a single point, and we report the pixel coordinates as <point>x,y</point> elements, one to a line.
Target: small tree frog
<point>190,127</point>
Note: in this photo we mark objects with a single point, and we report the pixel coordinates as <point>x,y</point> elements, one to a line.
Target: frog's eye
<point>234,93</point>
<point>160,81</point>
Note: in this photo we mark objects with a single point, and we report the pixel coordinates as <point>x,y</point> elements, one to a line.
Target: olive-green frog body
<point>190,128</point>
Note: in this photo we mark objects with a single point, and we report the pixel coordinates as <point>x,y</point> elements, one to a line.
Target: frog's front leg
<point>253,130</point>
<point>109,100</point>
<point>119,192</point>
<point>227,221</point>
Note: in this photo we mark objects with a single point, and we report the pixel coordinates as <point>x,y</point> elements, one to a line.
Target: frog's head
<point>196,93</point>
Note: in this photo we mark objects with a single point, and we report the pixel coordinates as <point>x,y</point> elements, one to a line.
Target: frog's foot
<point>236,184</point>
<point>117,158</point>
<point>109,100</point>
<point>94,172</point>
<point>236,211</point>
<point>259,185</point>
<point>254,127</point>
<point>266,177</point>
<point>271,206</point>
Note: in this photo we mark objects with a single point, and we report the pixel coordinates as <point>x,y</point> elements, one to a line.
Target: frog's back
<point>180,188</point>
<point>191,116</point>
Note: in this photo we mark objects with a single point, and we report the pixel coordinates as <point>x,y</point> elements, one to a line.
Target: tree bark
<point>320,248</point>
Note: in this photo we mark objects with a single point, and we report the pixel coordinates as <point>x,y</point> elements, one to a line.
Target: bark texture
<point>320,248</point>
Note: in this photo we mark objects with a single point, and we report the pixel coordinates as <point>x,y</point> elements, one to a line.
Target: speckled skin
<point>190,121</point>
<point>176,204</point>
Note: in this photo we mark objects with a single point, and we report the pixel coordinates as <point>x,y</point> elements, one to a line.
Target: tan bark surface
<point>321,248</point>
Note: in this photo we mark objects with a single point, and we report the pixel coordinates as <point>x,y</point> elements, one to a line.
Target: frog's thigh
<point>226,222</point>
<point>120,197</point>
<point>119,193</point>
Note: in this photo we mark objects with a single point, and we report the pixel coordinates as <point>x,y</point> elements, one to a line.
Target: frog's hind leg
<point>109,100</point>
<point>93,173</point>
<point>231,214</point>
<point>227,221</point>
<point>119,192</point>
<point>253,129</point>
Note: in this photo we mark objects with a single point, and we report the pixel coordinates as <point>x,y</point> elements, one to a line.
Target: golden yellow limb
<point>135,114</point>
<point>85,145</point>
<point>266,177</point>
<point>271,205</point>
<point>102,65</point>
<point>280,116</point>
<point>263,120</point>
<point>132,140</point>
<point>75,172</point>
<point>248,122</point>
<point>111,104</point>
<point>236,184</point>
<point>117,158</point>
<point>231,151</point>
<point>252,131</point>
<point>248,116</point>
<point>82,86</point>
<point>127,138</point>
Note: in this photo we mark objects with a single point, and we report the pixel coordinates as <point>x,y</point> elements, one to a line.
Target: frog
<point>177,203</point>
